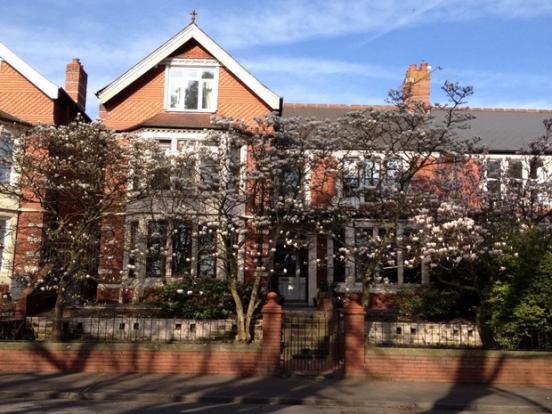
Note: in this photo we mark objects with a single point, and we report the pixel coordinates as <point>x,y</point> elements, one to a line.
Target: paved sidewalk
<point>408,396</point>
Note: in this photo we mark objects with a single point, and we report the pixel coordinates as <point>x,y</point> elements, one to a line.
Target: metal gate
<point>312,343</point>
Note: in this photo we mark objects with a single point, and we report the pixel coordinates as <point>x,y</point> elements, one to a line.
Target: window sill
<point>191,111</point>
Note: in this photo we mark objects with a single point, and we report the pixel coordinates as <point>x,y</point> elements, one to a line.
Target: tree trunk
<point>366,292</point>
<point>242,334</point>
<point>486,335</point>
<point>58,316</point>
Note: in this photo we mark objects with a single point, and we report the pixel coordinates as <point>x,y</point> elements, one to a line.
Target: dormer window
<point>191,88</point>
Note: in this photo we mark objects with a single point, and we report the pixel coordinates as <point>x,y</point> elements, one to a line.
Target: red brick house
<point>28,99</point>
<point>170,96</point>
<point>503,131</point>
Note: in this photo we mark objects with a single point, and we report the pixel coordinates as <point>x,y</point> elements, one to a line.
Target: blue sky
<point>336,51</point>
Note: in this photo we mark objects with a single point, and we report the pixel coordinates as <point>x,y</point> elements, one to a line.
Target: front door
<point>291,267</point>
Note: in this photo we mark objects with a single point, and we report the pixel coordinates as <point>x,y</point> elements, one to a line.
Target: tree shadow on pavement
<point>472,384</point>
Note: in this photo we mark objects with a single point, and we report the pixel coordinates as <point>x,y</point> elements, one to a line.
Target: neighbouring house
<point>171,96</point>
<point>10,129</point>
<point>502,131</point>
<point>28,99</point>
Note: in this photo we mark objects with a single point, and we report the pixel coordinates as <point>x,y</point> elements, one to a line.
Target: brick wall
<point>145,98</point>
<point>22,99</point>
<point>405,364</point>
<point>117,358</point>
<point>459,366</point>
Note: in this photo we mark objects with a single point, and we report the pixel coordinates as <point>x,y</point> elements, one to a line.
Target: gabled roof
<point>192,31</point>
<point>47,87</point>
<point>501,130</point>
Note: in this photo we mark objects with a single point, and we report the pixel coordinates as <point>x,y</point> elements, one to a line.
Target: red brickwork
<point>417,83</point>
<point>453,366</point>
<point>272,333</point>
<point>76,81</point>
<point>411,365</point>
<point>22,99</point>
<point>192,50</point>
<point>354,336</point>
<point>88,358</point>
<point>28,240</point>
<point>145,98</point>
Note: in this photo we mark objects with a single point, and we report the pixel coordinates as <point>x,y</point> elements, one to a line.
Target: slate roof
<point>501,130</point>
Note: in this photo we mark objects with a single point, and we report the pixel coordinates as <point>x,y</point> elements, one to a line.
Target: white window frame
<point>399,267</point>
<point>198,64</point>
<point>5,240</point>
<point>9,135</point>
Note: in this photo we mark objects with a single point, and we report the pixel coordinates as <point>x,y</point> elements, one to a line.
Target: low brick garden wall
<point>264,357</point>
<point>458,366</point>
<point>223,359</point>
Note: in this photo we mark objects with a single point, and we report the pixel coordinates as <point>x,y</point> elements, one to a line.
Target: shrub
<point>199,298</point>
<point>435,303</point>
<point>518,307</point>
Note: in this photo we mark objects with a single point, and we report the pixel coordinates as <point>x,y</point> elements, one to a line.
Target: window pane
<point>206,265</point>
<point>362,240</point>
<point>515,169</point>
<point>393,168</point>
<point>207,95</point>
<point>535,167</point>
<point>160,179</point>
<point>209,174</point>
<point>350,175</point>
<point>182,250</point>
<point>371,173</point>
<point>3,227</point>
<point>493,169</point>
<point>175,88</point>
<point>208,74</point>
<point>6,157</point>
<point>164,145</point>
<point>132,246</point>
<point>156,242</point>
<point>191,73</point>
<point>191,99</point>
<point>493,186</point>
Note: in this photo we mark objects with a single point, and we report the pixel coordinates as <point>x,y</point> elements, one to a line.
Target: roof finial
<point>194,15</point>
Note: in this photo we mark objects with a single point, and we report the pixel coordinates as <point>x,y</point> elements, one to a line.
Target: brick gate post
<point>272,334</point>
<point>354,336</point>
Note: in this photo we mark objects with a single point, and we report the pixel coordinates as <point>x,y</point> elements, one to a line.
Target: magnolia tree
<point>74,177</point>
<point>242,193</point>
<point>395,165</point>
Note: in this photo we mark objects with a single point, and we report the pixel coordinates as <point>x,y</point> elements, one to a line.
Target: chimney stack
<point>417,83</point>
<point>76,80</point>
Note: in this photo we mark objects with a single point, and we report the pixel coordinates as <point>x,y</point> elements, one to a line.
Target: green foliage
<point>518,307</point>
<point>199,298</point>
<point>436,303</point>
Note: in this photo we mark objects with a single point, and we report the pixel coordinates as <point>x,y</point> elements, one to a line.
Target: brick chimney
<point>75,82</point>
<point>417,83</point>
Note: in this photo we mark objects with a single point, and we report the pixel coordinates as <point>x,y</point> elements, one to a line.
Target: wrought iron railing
<point>118,328</point>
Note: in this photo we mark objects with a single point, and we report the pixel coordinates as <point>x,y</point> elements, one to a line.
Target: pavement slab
<point>318,392</point>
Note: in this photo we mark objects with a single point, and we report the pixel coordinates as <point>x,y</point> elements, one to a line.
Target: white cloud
<point>289,21</point>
